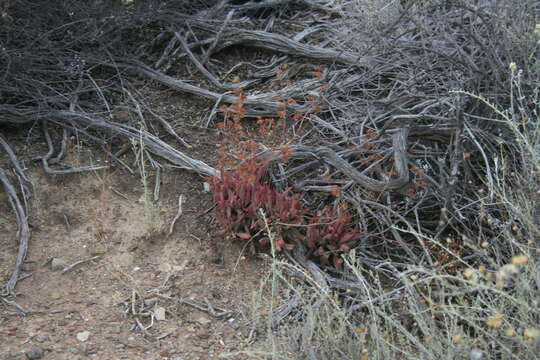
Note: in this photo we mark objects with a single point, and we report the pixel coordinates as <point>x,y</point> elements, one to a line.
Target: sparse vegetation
<point>384,158</point>
<point>240,195</point>
<point>476,295</point>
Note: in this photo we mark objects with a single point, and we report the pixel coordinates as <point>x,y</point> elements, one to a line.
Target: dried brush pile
<point>420,116</point>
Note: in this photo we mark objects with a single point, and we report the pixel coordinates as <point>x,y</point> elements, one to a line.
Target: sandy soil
<point>101,214</point>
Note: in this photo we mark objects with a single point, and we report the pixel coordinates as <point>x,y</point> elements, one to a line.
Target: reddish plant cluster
<point>240,193</point>
<point>330,233</point>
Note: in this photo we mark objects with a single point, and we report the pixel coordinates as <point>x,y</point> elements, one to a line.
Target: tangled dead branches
<point>394,127</point>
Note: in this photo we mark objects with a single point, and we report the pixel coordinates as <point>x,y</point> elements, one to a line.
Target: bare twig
<point>77,263</point>
<point>178,213</point>
<point>23,232</point>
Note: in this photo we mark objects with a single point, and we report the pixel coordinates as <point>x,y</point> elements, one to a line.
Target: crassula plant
<point>239,196</point>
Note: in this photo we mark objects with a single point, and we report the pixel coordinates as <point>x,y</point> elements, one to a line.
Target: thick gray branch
<point>399,141</point>
<point>23,233</point>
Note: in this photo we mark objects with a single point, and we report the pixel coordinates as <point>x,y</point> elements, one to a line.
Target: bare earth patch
<point>78,217</point>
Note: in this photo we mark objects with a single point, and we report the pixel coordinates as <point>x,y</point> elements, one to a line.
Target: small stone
<point>83,335</point>
<point>56,296</point>
<point>159,313</point>
<point>35,352</point>
<point>233,323</point>
<point>152,301</point>
<point>58,264</point>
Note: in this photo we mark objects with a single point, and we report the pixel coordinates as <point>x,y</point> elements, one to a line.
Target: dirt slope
<point>77,217</point>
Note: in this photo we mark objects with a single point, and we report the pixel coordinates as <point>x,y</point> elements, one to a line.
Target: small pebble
<point>151,301</point>
<point>35,352</point>
<point>58,264</point>
<point>233,323</point>
<point>83,335</point>
<point>159,313</point>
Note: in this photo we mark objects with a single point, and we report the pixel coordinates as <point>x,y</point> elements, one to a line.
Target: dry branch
<point>282,44</point>
<point>23,232</point>
<point>402,179</point>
